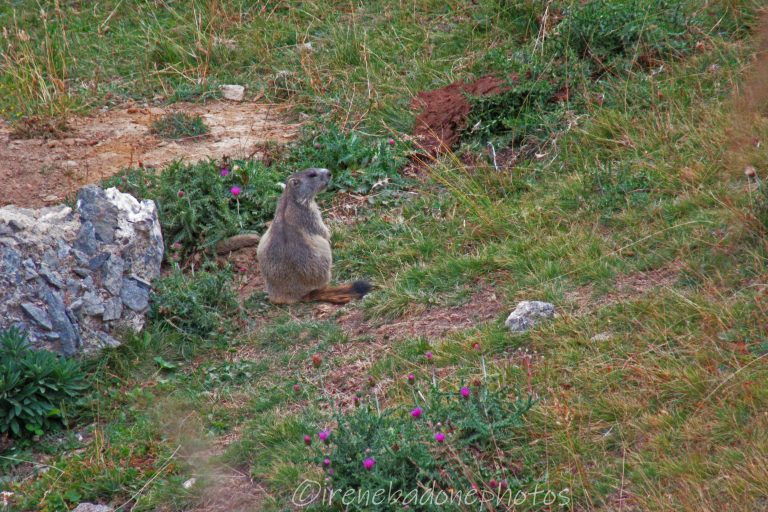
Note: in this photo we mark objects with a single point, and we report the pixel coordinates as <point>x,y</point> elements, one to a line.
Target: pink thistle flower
<point>391,142</point>
<point>327,462</point>
<point>224,172</point>
<point>411,378</point>
<point>296,388</point>
<point>235,191</point>
<point>439,437</point>
<point>307,440</point>
<point>324,435</point>
<point>416,413</point>
<point>180,193</point>
<point>428,355</point>
<point>465,392</point>
<point>369,463</point>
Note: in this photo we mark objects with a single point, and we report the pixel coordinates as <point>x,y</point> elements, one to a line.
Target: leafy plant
<point>433,443</point>
<point>36,387</point>
<point>201,204</point>
<point>199,303</point>
<point>359,163</point>
<point>179,125</point>
<point>523,109</point>
<point>605,31</point>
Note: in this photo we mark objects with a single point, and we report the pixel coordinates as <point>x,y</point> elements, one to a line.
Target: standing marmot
<point>295,252</point>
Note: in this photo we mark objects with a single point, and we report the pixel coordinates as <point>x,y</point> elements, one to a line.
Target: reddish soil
<point>37,172</point>
<point>444,111</point>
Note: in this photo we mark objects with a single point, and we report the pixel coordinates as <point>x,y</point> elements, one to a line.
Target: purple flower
<point>369,463</point>
<point>416,413</point>
<point>330,471</point>
<point>224,172</point>
<point>327,462</point>
<point>464,392</point>
<point>296,388</point>
<point>391,142</point>
<point>324,435</point>
<point>411,378</point>
<point>307,440</point>
<point>428,355</point>
<point>235,191</point>
<point>439,437</point>
<point>180,193</point>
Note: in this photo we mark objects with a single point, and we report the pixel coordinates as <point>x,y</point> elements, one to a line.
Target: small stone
<point>91,507</point>
<point>37,314</point>
<point>527,314</point>
<point>233,92</point>
<point>96,262</point>
<point>189,483</point>
<point>52,277</point>
<point>30,270</point>
<point>93,305</point>
<point>50,198</point>
<point>135,295</point>
<point>603,336</point>
<point>62,323</point>
<point>106,340</point>
<point>82,272</point>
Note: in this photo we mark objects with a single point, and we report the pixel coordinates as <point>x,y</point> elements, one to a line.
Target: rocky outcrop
<point>70,278</point>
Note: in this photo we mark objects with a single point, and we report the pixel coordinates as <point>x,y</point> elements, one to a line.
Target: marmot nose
<point>324,172</point>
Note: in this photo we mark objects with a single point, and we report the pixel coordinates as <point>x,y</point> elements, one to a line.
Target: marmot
<point>295,252</point>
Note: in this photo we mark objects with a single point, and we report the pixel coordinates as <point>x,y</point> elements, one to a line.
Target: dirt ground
<point>38,172</point>
<point>443,112</point>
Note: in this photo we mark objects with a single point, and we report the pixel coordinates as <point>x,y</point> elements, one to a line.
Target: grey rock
<point>90,507</point>
<point>62,324</point>
<point>52,278</point>
<point>97,261</point>
<point>603,336</point>
<point>107,340</point>
<point>529,313</point>
<point>82,272</point>
<point>86,238</point>
<point>95,207</point>
<point>92,304</point>
<point>37,314</point>
<point>113,309</point>
<point>135,294</point>
<point>113,274</point>
<point>30,269</point>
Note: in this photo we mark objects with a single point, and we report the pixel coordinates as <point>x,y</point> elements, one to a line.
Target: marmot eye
<point>313,174</point>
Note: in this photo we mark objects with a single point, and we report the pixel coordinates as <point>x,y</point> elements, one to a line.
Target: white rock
<point>233,92</point>
<point>189,483</point>
<point>91,507</point>
<point>528,313</point>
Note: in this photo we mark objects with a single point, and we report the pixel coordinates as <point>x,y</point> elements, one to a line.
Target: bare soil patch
<point>444,111</point>
<point>433,323</point>
<point>40,171</point>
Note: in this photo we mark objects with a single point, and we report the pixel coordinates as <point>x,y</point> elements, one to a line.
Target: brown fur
<point>295,252</point>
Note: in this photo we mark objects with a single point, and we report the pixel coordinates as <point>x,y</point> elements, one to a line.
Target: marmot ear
<point>294,182</point>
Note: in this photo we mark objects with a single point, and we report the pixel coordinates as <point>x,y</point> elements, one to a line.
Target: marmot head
<point>305,185</point>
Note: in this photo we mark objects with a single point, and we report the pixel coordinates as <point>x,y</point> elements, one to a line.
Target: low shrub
<point>38,389</point>
<point>604,32</point>
<point>446,441</point>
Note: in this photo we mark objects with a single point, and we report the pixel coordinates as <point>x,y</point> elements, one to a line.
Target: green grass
<point>179,125</point>
<point>635,219</point>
